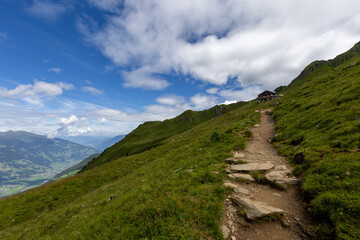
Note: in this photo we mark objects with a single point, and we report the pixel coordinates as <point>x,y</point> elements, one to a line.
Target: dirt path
<point>272,209</point>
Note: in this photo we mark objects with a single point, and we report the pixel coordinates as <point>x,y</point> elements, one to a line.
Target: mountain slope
<point>152,134</point>
<point>76,168</point>
<point>173,191</point>
<point>27,159</point>
<point>108,142</point>
<point>318,124</point>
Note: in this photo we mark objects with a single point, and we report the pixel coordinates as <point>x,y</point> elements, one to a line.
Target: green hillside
<point>318,124</point>
<point>173,191</point>
<point>152,134</point>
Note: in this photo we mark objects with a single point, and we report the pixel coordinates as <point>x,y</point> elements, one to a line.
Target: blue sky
<point>100,68</point>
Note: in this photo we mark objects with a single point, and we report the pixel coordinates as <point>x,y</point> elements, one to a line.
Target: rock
<point>242,191</point>
<point>256,110</point>
<point>233,238</point>
<point>252,167</point>
<point>231,160</point>
<point>256,125</point>
<point>243,176</point>
<point>254,209</point>
<point>281,177</point>
<point>225,231</point>
<point>238,155</point>
<point>229,184</point>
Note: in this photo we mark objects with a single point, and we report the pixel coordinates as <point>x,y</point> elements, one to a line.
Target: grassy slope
<point>150,199</point>
<point>319,116</point>
<point>153,134</point>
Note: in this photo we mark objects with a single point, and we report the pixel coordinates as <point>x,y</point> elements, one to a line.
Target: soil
<point>295,223</point>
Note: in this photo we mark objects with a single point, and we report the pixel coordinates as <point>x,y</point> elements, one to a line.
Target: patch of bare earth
<point>265,203</point>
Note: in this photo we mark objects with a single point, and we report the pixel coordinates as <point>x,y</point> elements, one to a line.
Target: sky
<point>102,67</point>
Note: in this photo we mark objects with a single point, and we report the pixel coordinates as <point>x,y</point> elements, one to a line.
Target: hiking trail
<point>265,203</point>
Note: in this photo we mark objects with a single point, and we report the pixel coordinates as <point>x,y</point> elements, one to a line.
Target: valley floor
<point>265,203</point>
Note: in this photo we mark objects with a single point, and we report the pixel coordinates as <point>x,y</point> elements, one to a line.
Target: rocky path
<point>265,203</point>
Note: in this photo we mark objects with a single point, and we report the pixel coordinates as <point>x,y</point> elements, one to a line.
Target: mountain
<point>108,142</point>
<point>97,142</point>
<point>165,179</point>
<point>74,169</point>
<point>28,160</point>
<point>152,134</point>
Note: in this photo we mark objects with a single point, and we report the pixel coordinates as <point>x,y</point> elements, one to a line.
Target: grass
<point>318,125</point>
<point>149,199</point>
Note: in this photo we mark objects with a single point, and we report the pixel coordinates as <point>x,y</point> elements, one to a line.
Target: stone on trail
<point>238,155</point>
<point>281,177</point>
<point>231,160</point>
<point>225,231</point>
<point>242,191</point>
<point>229,184</point>
<point>252,167</point>
<point>254,209</point>
<point>243,176</point>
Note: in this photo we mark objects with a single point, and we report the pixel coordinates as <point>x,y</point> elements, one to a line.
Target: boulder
<point>255,210</point>
<point>252,167</point>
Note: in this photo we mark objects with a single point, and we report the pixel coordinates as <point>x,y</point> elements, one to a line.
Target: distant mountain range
<point>99,143</point>
<point>28,160</point>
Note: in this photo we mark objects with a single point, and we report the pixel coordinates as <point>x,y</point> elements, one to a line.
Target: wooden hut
<point>266,96</point>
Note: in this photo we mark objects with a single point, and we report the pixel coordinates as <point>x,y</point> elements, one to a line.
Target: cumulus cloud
<point>33,93</point>
<point>71,126</point>
<point>92,90</point>
<point>170,100</point>
<point>227,102</point>
<point>251,41</point>
<point>202,101</point>
<point>55,70</point>
<point>212,90</point>
<point>46,9</point>
<point>102,121</point>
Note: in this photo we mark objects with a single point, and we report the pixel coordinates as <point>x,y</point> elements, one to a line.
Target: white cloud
<point>252,41</point>
<point>212,90</point>
<point>71,126</point>
<point>35,91</point>
<point>144,78</point>
<point>92,90</point>
<point>170,100</point>
<point>102,121</point>
<point>202,101</point>
<point>46,9</point>
<point>227,102</point>
<point>55,70</point>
